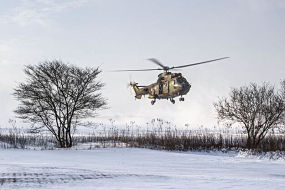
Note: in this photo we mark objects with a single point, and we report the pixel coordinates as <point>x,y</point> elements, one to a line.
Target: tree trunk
<point>68,139</point>
<point>249,142</point>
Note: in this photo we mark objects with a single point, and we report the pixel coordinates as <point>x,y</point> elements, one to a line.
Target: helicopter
<point>168,85</point>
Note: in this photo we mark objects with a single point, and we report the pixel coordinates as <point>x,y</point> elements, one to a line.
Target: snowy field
<point>130,168</point>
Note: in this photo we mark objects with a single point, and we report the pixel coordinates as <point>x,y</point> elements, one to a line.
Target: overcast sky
<point>122,34</point>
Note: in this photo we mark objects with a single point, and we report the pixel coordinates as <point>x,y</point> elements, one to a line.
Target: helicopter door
<point>165,87</point>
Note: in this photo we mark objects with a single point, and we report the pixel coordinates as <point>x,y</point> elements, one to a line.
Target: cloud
<point>38,12</point>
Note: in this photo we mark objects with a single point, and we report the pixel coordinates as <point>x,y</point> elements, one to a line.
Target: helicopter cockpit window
<point>181,80</point>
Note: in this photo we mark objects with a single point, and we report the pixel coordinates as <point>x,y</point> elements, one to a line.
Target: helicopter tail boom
<point>139,91</point>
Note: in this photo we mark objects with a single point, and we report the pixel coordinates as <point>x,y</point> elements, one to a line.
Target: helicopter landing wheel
<point>181,99</point>
<point>172,101</point>
<point>152,102</point>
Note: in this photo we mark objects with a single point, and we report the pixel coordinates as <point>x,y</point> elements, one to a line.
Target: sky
<point>123,34</point>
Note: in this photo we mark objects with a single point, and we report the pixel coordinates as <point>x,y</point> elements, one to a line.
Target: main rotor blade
<point>157,62</point>
<point>193,64</point>
<point>137,70</point>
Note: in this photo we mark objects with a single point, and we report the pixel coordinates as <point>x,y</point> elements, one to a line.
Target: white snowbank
<point>130,168</point>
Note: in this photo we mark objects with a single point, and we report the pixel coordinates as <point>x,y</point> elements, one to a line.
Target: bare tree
<point>257,108</point>
<point>58,96</point>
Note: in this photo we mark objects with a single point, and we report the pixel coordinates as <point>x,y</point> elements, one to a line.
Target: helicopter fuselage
<point>168,86</point>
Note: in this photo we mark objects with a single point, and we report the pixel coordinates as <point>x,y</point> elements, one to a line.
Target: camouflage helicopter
<point>168,86</point>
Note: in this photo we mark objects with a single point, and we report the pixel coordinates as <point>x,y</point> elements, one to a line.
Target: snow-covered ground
<point>130,168</point>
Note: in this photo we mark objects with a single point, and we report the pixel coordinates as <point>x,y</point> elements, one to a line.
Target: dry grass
<point>160,135</point>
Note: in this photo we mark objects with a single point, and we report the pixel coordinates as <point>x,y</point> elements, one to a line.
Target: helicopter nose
<point>186,87</point>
